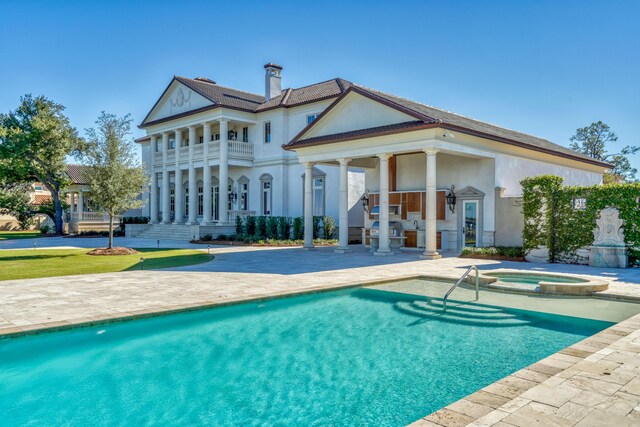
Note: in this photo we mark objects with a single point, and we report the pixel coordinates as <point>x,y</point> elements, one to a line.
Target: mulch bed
<point>113,251</point>
<point>494,257</point>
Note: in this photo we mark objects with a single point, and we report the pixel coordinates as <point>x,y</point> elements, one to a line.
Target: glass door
<point>469,231</point>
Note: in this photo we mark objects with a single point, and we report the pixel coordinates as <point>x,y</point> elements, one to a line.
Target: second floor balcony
<point>237,150</point>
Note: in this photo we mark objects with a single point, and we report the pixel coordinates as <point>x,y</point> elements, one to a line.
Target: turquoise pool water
<point>354,357</point>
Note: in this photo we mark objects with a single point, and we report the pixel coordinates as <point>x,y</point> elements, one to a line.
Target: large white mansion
<point>302,151</point>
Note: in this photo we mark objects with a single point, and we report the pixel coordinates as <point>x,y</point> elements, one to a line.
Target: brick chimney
<point>272,81</point>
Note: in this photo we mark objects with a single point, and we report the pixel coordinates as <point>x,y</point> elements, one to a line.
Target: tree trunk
<point>110,231</point>
<point>57,218</point>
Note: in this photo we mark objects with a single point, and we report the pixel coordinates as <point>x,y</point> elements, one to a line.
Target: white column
<point>80,205</point>
<point>343,212</point>
<point>430,250</point>
<point>383,218</point>
<point>166,192</point>
<point>153,191</point>
<point>223,176</point>
<point>193,185</point>
<point>308,206</point>
<point>206,176</point>
<point>179,193</point>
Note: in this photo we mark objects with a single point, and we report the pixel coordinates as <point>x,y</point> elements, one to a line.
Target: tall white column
<point>80,205</point>
<point>166,192</point>
<point>223,176</point>
<point>206,176</point>
<point>193,185</point>
<point>383,218</point>
<point>308,206</point>
<point>179,191</point>
<point>153,191</point>
<point>430,250</point>
<point>343,212</point>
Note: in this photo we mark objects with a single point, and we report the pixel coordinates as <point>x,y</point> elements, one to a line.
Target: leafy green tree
<point>592,141</point>
<point>35,139</point>
<point>115,176</point>
<point>15,200</point>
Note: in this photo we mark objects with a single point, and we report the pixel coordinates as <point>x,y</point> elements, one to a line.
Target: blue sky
<point>540,67</point>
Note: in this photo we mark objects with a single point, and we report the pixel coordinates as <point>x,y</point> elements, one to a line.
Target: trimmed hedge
<point>282,228</point>
<point>552,221</point>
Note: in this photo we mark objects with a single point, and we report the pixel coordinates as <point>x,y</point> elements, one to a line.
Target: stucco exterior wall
<point>509,220</point>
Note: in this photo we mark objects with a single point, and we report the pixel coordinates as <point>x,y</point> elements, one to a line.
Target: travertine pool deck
<point>590,383</point>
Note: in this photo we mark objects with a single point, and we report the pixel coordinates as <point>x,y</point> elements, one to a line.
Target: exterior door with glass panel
<point>470,223</point>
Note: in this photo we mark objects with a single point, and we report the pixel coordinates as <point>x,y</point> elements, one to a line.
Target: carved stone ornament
<point>180,100</point>
<point>609,231</point>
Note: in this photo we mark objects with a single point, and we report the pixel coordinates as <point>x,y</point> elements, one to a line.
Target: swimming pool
<point>351,357</point>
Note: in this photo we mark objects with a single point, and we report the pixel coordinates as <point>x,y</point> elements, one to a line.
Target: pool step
<point>462,311</point>
<point>459,316</point>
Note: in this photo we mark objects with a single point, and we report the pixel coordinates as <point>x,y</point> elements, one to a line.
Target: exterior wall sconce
<point>451,199</point>
<point>365,201</point>
<point>233,196</point>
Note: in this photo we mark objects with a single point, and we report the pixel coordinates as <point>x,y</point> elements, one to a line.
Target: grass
<point>13,235</point>
<point>30,264</point>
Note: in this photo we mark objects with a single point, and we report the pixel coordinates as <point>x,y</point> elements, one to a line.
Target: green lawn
<point>29,263</point>
<point>13,235</point>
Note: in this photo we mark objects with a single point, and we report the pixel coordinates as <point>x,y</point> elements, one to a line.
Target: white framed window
<point>172,199</point>
<point>186,201</point>
<point>200,198</point>
<point>243,190</point>
<point>245,134</point>
<point>267,132</point>
<point>318,196</point>
<point>266,182</point>
<point>311,118</point>
<point>38,188</point>
<point>318,180</point>
<point>172,144</point>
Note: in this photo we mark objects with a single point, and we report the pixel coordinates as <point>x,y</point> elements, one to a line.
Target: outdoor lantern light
<point>209,249</point>
<point>233,196</point>
<point>365,201</point>
<point>34,245</point>
<point>451,199</point>
<point>141,263</point>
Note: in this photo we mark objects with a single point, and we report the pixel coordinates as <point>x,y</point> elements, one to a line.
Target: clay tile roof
<point>41,199</point>
<point>436,117</point>
<point>315,92</point>
<point>223,96</point>
<point>77,173</point>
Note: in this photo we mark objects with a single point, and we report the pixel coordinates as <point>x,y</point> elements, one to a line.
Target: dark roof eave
<point>330,139</point>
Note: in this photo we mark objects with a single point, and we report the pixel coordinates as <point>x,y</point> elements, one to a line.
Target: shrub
<point>317,225</point>
<point>298,228</point>
<point>505,251</point>
<point>250,226</point>
<point>261,227</point>
<point>239,225</point>
<point>45,229</point>
<point>271,231</point>
<point>222,237</point>
<point>329,226</point>
<point>284,226</point>
<point>206,237</point>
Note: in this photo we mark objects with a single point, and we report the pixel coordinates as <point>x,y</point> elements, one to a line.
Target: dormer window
<point>311,118</point>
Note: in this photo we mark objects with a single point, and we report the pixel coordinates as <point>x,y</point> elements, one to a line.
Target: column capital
<point>431,151</point>
<point>308,165</point>
<point>384,156</point>
<point>192,127</point>
<point>165,133</point>
<point>223,120</point>
<point>344,161</point>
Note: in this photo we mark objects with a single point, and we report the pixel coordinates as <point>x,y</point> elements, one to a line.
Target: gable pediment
<point>177,99</point>
<point>354,112</point>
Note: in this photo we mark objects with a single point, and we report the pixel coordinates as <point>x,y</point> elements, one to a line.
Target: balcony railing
<point>92,217</point>
<point>237,150</point>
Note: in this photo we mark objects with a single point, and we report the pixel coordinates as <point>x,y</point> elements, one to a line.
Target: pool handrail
<point>466,273</point>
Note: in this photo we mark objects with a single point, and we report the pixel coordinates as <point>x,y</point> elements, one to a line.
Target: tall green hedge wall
<point>551,219</point>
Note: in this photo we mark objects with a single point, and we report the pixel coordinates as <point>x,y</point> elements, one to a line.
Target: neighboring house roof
<point>42,199</point>
<point>222,96</point>
<point>429,117</point>
<point>77,173</point>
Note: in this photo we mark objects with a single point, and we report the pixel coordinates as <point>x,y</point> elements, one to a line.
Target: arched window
<point>317,190</point>
<point>243,193</point>
<point>200,197</point>
<point>266,181</point>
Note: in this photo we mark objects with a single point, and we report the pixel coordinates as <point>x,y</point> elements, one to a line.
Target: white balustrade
<point>237,150</point>
<point>94,217</point>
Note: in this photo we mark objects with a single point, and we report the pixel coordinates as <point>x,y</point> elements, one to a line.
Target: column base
<point>341,250</point>
<point>154,222</point>
<point>430,255</point>
<point>383,253</point>
<point>177,223</point>
<point>309,248</point>
<point>191,223</point>
<point>168,222</point>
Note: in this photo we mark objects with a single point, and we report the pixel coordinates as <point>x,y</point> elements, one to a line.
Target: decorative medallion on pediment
<point>180,101</point>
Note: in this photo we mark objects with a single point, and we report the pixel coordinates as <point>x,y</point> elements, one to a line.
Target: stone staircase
<point>167,232</point>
